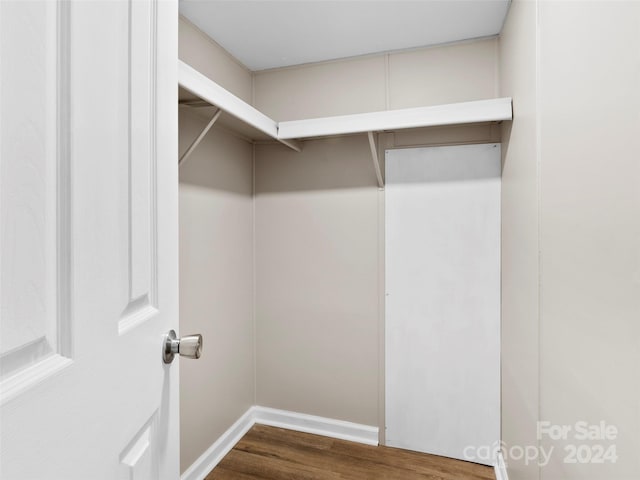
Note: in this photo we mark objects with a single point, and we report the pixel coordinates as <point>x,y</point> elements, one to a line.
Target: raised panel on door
<point>35,327</point>
<point>442,280</point>
<point>142,167</point>
<point>88,246</point>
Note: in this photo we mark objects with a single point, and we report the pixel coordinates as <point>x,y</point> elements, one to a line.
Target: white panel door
<point>88,239</point>
<point>442,227</point>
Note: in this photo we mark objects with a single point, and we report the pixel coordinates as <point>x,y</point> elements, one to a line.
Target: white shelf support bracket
<point>292,144</point>
<point>199,138</point>
<point>376,160</point>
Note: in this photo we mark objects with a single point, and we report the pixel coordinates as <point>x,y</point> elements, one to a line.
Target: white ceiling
<point>268,34</point>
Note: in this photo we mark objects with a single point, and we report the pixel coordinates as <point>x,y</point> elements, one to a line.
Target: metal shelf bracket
<point>199,138</point>
<point>376,159</point>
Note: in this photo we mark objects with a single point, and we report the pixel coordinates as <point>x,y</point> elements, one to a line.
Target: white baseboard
<point>327,427</point>
<point>500,468</point>
<point>216,452</point>
<point>300,422</point>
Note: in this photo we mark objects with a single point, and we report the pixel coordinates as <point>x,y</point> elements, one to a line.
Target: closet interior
<point>282,224</point>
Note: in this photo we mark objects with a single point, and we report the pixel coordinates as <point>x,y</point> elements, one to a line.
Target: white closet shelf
<point>245,118</point>
<point>493,110</point>
<point>202,87</point>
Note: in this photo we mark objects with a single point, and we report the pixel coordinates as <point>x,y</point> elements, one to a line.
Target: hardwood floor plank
<point>331,460</point>
<point>418,462</point>
<point>273,468</point>
<point>269,453</point>
<point>221,473</point>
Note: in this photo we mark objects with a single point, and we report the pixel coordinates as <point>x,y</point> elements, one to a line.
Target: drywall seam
<point>539,204</point>
<point>382,422</point>
<point>253,272</point>
<point>387,82</point>
<point>497,88</point>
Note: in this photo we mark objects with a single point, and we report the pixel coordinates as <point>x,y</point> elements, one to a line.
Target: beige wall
<point>202,53</point>
<point>447,74</point>
<point>320,273</point>
<point>590,226</point>
<point>429,76</point>
<point>317,279</point>
<point>216,261</point>
<point>520,296</point>
<point>320,223</point>
<point>586,124</point>
<point>216,285</point>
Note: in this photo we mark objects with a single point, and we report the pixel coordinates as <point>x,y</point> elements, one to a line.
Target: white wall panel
<point>442,226</point>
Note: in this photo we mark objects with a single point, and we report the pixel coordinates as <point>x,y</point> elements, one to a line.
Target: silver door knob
<point>189,346</point>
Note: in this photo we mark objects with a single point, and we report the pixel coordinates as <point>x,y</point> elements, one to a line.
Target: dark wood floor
<point>278,454</point>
